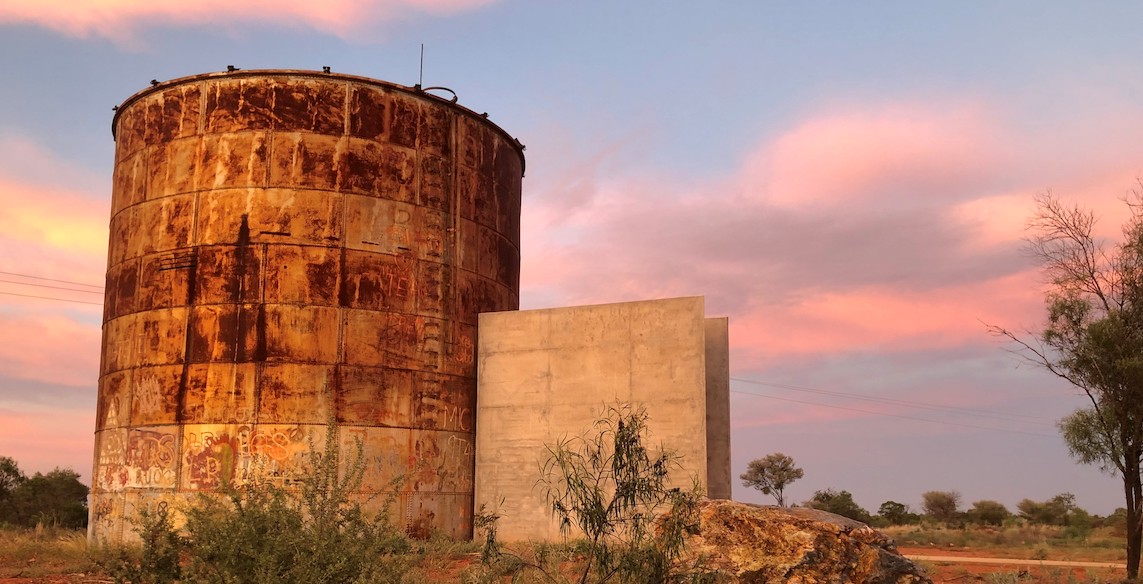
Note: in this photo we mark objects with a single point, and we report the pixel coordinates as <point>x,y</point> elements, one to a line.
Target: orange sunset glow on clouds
<point>122,19</point>
<point>849,184</point>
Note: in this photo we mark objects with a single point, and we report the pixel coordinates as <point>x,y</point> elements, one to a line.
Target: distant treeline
<point>945,507</point>
<point>56,498</point>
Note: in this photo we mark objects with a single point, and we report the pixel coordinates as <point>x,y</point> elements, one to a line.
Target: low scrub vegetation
<point>262,533</point>
<point>1016,540</point>
<point>625,521</point>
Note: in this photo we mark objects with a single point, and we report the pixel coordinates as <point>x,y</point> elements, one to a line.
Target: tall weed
<point>607,488</point>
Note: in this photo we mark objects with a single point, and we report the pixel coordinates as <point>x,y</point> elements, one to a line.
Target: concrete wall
<point>547,374</point>
<point>717,408</point>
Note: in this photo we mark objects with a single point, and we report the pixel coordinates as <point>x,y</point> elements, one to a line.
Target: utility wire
<point>93,288</point>
<point>893,415</point>
<point>900,402</point>
<point>51,280</point>
<point>52,287</point>
<point>50,298</point>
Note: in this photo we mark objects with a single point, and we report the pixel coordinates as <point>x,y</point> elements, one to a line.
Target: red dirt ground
<point>967,573</point>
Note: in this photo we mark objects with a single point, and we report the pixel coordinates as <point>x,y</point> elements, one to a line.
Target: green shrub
<point>838,503</point>
<point>263,533</point>
<point>157,560</point>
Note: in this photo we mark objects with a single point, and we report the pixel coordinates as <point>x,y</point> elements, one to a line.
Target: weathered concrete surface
<point>717,408</point>
<point>547,374</point>
<point>289,248</point>
<point>756,544</point>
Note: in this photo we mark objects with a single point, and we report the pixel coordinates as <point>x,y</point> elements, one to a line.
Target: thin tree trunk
<point>1133,490</point>
<point>1134,538</point>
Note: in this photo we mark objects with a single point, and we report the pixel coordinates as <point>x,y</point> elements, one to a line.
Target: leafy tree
<point>941,505</point>
<point>838,503</point>
<point>1059,510</point>
<point>988,513</point>
<point>10,479</point>
<point>1093,339</point>
<point>1033,512</point>
<point>895,513</point>
<point>1080,524</point>
<point>1117,521</point>
<point>55,498</point>
<point>771,474</point>
<point>10,475</point>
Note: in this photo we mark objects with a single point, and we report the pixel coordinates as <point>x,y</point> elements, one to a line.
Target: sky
<point>848,182</point>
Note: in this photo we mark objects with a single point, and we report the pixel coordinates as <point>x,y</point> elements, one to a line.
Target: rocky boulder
<point>760,544</point>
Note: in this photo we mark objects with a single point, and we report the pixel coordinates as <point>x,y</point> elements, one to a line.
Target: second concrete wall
<point>548,374</point>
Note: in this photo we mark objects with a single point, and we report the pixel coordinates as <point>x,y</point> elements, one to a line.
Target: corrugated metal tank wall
<point>289,248</point>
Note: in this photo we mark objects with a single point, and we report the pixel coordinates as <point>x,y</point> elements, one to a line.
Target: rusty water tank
<point>290,249</point>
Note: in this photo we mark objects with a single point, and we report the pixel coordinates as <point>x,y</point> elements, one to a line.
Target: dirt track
<point>1015,562</point>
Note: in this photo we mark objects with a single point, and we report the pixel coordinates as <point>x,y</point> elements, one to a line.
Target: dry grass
<point>1027,542</point>
<point>62,555</point>
<point>33,553</point>
<point>1014,541</point>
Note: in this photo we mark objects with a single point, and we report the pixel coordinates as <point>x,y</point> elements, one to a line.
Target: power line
<point>95,289</point>
<point>51,280</point>
<point>52,287</point>
<point>894,415</point>
<point>900,402</point>
<point>50,298</point>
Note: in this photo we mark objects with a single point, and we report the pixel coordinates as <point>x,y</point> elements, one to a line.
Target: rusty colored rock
<point>290,249</point>
<point>756,544</point>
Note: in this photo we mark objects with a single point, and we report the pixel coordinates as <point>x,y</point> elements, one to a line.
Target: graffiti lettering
<point>464,350</point>
<point>148,396</point>
<point>210,459</point>
<point>111,419</point>
<point>396,282</point>
<point>401,330</point>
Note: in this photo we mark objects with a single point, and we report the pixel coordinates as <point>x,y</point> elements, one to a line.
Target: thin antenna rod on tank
<point>421,75</point>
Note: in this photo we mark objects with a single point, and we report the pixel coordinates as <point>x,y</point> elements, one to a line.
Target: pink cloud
<point>891,150</point>
<point>884,319</point>
<point>50,227</point>
<point>121,19</point>
<point>54,217</point>
<point>50,232</point>
<point>49,348</point>
<point>42,440</point>
<point>892,228</point>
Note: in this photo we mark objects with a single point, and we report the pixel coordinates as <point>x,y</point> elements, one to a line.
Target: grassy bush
<point>262,533</point>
